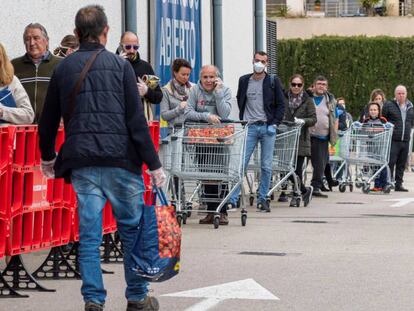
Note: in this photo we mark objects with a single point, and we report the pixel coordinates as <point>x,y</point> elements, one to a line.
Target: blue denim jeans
<point>259,134</point>
<point>124,189</point>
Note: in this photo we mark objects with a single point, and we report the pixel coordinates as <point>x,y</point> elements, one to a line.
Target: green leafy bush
<point>354,66</point>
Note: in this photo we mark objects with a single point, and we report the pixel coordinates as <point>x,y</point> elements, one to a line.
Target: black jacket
<point>391,111</point>
<point>142,68</point>
<point>273,98</point>
<point>307,112</point>
<point>108,127</point>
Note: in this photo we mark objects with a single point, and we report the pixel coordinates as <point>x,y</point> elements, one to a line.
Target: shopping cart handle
<point>289,123</point>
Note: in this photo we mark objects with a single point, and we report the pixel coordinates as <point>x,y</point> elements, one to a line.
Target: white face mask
<point>258,67</point>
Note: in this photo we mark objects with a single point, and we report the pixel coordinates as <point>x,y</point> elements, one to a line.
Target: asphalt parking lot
<point>352,251</point>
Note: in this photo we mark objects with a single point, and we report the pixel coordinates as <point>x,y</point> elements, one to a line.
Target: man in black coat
<point>128,48</point>
<point>399,112</point>
<point>106,142</point>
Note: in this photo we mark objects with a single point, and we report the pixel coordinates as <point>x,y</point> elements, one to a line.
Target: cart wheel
<point>387,189</point>
<point>216,222</point>
<point>179,220</point>
<point>351,187</point>
<point>243,219</point>
<point>251,200</point>
<point>189,208</point>
<point>184,218</point>
<point>342,188</point>
<point>298,202</point>
<point>365,189</point>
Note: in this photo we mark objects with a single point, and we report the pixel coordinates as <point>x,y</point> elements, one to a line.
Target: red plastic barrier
<point>5,181</point>
<point>154,128</point>
<point>36,212</point>
<point>4,233</point>
<point>25,146</point>
<point>6,146</point>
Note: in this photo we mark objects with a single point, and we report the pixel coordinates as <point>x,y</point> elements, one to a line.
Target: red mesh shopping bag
<point>156,253</point>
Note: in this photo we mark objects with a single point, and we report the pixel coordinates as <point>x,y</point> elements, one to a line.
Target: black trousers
<point>398,159</point>
<point>319,158</point>
<point>299,173</point>
<point>213,158</point>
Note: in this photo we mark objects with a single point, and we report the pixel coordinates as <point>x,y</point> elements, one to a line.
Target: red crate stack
<point>4,233</point>
<point>61,225</point>
<point>154,128</point>
<point>108,219</point>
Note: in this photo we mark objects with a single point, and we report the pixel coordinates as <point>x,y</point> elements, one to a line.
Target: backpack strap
<point>78,84</point>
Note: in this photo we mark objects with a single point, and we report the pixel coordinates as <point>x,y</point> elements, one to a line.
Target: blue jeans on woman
<point>124,189</point>
<point>259,134</point>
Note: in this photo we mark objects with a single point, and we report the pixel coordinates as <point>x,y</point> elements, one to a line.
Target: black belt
<point>259,123</point>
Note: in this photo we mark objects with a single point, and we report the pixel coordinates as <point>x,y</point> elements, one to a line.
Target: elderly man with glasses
<point>128,48</point>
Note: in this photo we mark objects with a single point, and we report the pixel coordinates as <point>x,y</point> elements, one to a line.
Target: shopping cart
<point>205,154</point>
<point>284,161</point>
<point>368,148</point>
<point>338,164</point>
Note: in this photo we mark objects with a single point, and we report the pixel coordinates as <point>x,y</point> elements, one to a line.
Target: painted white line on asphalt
<point>243,289</point>
<point>206,304</point>
<point>401,202</point>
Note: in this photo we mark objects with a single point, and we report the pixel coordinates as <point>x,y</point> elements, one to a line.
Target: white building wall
<point>238,43</point>
<point>206,32</point>
<point>306,28</point>
<point>58,17</point>
<point>142,28</point>
<point>296,7</point>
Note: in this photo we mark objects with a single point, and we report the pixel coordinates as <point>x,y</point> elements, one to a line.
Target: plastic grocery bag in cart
<point>156,252</point>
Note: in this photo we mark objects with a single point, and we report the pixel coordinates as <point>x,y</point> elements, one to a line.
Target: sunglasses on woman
<point>292,84</point>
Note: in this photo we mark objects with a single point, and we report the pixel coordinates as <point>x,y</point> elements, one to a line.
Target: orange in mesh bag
<point>156,253</point>
<point>210,135</point>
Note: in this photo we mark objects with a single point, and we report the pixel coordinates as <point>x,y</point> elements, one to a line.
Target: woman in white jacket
<point>15,107</point>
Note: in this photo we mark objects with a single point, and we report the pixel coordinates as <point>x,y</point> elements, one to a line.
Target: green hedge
<point>354,66</point>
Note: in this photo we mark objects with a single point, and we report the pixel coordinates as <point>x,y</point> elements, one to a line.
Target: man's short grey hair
<point>36,26</point>
<point>400,86</point>
<point>206,66</point>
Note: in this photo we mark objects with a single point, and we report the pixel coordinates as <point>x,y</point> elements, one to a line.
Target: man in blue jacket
<point>261,103</point>
<point>106,141</point>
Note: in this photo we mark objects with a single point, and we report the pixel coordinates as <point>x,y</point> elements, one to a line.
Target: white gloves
<point>142,87</point>
<point>299,121</point>
<point>158,177</point>
<point>47,168</point>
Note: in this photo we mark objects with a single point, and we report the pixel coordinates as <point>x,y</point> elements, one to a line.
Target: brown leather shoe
<point>208,220</point>
<point>224,220</point>
<point>148,304</point>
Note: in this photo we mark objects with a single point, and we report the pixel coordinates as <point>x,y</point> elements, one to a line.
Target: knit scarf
<point>295,101</point>
<point>180,91</point>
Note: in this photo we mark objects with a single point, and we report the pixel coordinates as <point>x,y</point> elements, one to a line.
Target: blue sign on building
<point>178,35</point>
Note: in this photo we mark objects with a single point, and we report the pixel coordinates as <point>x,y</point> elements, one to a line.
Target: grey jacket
<point>202,103</point>
<point>170,106</point>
